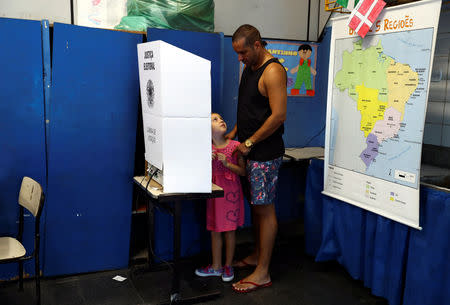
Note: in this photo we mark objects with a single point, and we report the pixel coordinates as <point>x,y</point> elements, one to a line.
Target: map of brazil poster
<point>376,106</point>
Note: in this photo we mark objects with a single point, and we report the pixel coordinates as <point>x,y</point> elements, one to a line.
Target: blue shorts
<point>263,178</point>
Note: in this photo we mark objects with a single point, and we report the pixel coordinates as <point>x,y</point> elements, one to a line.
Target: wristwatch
<point>248,143</point>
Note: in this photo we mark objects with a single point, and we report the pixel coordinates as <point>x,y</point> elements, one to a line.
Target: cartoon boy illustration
<point>304,71</point>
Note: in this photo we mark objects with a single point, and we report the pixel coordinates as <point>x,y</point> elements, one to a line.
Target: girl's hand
<point>222,158</point>
<point>214,155</point>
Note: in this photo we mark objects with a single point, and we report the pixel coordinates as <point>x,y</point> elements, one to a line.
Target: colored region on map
<point>369,154</point>
<point>402,82</point>
<point>372,110</point>
<point>389,127</point>
<point>364,66</point>
<point>381,87</point>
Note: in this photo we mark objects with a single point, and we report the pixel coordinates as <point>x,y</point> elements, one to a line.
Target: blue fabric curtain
<point>401,264</point>
<point>428,267</point>
<point>313,207</point>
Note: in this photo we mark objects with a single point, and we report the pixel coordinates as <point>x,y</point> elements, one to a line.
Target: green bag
<point>190,15</point>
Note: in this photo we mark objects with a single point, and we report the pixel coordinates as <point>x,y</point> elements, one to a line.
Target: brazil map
<point>379,103</point>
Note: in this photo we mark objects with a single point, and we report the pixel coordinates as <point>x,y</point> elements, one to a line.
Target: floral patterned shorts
<point>263,178</point>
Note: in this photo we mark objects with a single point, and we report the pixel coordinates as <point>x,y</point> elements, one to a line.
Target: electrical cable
<point>151,248</point>
<point>150,177</point>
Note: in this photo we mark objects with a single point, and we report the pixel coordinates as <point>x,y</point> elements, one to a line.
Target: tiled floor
<point>297,279</point>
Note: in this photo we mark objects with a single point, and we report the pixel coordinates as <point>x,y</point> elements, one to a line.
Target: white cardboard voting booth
<point>176,110</point>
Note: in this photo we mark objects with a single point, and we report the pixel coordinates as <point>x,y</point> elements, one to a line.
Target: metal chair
<point>31,197</point>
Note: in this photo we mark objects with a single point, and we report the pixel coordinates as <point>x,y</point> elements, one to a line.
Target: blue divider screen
<point>305,121</point>
<point>22,146</point>
<point>91,145</point>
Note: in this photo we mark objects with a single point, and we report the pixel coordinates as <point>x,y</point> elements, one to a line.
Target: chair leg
<point>20,275</point>
<point>38,283</point>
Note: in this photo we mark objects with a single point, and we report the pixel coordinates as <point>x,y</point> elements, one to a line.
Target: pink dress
<point>225,213</point>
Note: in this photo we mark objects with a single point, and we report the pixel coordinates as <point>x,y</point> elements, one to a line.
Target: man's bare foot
<point>252,282</point>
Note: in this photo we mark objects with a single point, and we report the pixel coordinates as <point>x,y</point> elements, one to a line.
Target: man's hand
<point>241,150</point>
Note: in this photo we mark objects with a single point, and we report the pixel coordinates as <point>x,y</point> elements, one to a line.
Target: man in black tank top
<point>260,116</point>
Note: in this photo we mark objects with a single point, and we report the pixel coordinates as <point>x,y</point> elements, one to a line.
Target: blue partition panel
<point>305,121</point>
<point>22,145</point>
<point>91,145</point>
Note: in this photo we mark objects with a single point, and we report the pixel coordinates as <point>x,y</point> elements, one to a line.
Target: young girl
<point>227,213</point>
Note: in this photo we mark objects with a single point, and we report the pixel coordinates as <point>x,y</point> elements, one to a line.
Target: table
<point>158,197</point>
<point>303,153</point>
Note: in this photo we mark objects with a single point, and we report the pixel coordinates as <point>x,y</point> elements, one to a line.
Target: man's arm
<point>232,134</point>
<point>274,87</point>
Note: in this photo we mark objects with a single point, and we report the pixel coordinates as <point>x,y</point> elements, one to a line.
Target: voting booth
<point>175,88</point>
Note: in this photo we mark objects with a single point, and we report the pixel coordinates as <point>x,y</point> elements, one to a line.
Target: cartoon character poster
<point>300,60</point>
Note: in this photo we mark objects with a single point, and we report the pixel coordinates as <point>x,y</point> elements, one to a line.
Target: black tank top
<point>253,111</point>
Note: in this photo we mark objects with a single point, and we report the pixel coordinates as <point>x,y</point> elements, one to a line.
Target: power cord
<point>151,175</point>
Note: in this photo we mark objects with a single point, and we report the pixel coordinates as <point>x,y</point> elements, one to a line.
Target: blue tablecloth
<point>404,265</point>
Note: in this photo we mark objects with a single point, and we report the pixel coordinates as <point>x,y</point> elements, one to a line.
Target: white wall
<point>282,19</point>
<point>437,122</point>
<point>324,16</point>
<point>53,10</point>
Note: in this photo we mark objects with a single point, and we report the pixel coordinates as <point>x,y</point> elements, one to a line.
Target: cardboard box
<point>181,148</point>
<point>174,82</point>
<point>176,111</point>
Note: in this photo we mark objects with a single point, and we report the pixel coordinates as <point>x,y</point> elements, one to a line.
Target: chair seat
<point>11,248</point>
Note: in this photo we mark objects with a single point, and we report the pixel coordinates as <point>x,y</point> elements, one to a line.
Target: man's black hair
<point>249,33</point>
